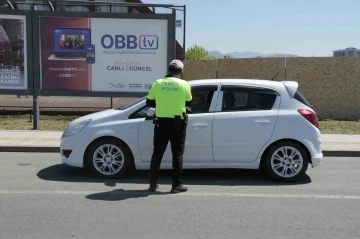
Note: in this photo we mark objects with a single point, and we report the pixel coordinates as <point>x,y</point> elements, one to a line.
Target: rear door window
<point>238,98</point>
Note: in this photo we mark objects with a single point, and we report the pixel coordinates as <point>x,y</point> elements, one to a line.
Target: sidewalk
<point>49,142</point>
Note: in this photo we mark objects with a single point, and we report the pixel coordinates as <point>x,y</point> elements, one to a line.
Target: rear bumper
<point>316,153</point>
<point>316,161</point>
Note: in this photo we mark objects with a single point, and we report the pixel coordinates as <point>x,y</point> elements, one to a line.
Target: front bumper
<point>72,149</point>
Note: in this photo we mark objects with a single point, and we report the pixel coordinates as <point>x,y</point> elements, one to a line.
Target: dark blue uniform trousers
<point>165,130</point>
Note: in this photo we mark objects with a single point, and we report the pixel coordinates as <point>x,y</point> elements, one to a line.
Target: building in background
<point>349,52</point>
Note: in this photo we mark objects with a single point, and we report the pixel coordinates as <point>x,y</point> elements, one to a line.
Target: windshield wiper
<point>119,108</point>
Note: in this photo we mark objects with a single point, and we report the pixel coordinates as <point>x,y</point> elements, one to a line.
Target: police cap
<point>176,64</point>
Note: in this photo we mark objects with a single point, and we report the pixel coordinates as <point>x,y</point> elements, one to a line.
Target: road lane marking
<point>239,195</point>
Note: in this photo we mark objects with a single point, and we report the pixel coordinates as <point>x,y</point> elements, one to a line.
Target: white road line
<point>240,195</point>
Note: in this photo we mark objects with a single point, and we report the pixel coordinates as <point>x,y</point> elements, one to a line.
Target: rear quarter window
<point>299,97</point>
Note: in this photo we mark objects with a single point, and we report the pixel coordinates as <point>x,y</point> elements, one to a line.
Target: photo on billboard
<point>13,52</point>
<point>102,54</point>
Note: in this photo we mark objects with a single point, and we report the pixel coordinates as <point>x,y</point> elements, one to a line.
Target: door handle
<point>262,121</point>
<point>199,125</point>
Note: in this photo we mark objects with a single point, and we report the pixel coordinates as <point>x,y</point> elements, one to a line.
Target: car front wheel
<point>109,158</point>
<point>286,161</point>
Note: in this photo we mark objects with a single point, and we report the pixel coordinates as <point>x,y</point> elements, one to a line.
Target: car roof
<point>259,82</point>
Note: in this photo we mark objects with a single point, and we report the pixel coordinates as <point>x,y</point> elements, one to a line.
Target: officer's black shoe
<point>179,189</point>
<point>153,188</point>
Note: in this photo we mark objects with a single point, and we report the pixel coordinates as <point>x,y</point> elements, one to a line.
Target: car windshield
<point>124,107</point>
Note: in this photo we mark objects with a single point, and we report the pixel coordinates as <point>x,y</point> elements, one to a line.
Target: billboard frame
<point>29,53</point>
<point>171,51</point>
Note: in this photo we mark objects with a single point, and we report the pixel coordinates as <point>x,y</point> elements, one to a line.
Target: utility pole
<point>285,67</point>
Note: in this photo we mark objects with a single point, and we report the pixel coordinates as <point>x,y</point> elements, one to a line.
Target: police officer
<point>170,97</point>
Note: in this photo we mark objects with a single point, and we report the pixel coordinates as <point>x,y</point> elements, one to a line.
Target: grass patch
<point>22,122</point>
<point>59,123</point>
<point>339,127</point>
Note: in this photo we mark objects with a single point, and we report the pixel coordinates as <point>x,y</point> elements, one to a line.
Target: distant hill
<point>247,54</point>
<point>216,54</point>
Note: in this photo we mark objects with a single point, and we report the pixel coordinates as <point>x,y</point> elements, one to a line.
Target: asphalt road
<point>41,198</point>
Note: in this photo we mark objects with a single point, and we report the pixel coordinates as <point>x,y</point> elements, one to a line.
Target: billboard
<point>102,54</point>
<point>13,52</point>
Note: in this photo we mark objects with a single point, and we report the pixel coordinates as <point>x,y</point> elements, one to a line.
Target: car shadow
<point>214,177</point>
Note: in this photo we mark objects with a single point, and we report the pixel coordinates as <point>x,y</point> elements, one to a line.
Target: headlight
<point>75,128</point>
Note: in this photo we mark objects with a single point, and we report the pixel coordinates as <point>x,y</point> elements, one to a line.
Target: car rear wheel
<point>109,158</point>
<point>286,161</point>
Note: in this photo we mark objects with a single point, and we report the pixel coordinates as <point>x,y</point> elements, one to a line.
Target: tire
<point>296,165</point>
<point>109,158</point>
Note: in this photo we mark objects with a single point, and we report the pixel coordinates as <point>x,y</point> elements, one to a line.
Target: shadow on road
<point>215,177</point>
<point>120,195</point>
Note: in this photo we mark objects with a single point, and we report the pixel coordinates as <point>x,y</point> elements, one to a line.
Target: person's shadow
<point>120,194</point>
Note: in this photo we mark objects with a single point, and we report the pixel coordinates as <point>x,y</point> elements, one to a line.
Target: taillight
<point>310,116</point>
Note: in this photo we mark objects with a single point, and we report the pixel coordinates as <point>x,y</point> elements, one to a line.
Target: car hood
<point>97,115</point>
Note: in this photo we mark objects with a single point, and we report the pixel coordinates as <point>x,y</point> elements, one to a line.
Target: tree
<point>196,52</point>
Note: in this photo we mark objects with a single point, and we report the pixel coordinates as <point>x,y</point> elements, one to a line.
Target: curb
<point>341,153</point>
<point>20,149</point>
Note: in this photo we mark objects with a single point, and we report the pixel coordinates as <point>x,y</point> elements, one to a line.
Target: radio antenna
<point>286,64</point>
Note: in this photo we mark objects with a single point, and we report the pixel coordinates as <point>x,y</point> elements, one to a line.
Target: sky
<point>312,28</point>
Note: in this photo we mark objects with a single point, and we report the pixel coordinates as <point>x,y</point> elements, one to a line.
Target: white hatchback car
<point>235,123</point>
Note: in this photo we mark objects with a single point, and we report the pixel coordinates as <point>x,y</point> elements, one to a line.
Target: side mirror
<point>150,114</point>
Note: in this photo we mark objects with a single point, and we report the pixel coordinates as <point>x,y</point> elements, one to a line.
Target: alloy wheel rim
<point>108,159</point>
<point>286,162</point>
